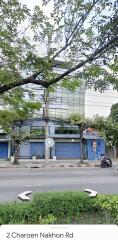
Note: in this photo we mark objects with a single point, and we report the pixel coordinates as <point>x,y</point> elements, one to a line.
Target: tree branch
<point>30,79</point>
<point>46,84</point>
<point>79,65</point>
<point>74,32</point>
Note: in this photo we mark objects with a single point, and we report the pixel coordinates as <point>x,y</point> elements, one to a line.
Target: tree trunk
<point>81,145</point>
<point>16,156</point>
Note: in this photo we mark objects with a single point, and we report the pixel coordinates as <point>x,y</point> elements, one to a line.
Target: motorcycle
<point>105,162</point>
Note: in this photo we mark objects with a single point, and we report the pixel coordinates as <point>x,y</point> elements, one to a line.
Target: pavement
<point>52,163</point>
<point>16,181</point>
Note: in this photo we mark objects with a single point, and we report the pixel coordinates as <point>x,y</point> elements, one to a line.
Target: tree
<point>12,117</point>
<point>112,134</point>
<point>114,112</point>
<point>83,123</point>
<point>105,126</point>
<point>108,129</point>
<point>82,33</point>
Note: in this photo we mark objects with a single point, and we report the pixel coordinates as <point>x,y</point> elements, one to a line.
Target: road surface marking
<point>92,193</point>
<point>33,185</point>
<point>23,196</point>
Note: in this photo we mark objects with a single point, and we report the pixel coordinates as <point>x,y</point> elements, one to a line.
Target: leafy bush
<point>15,213</point>
<point>61,207</point>
<point>109,206</point>
<point>50,219</point>
<point>61,204</point>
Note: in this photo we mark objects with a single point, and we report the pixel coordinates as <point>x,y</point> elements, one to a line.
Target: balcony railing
<point>66,130</point>
<point>37,131</point>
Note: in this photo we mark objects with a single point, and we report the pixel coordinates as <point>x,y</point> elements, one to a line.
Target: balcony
<point>37,131</point>
<point>67,130</point>
<point>60,132</point>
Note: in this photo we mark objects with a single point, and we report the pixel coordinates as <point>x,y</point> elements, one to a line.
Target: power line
<point>62,90</point>
<point>101,96</point>
<point>79,103</point>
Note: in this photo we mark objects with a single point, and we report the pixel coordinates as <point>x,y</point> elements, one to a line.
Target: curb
<point>40,166</point>
<point>64,166</point>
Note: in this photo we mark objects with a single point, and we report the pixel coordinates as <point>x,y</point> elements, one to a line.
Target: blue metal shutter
<point>100,147</point>
<point>4,150</point>
<point>67,150</point>
<point>37,149</point>
<point>24,151</point>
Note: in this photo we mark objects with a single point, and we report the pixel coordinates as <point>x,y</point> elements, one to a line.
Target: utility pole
<point>81,144</point>
<point>46,115</point>
<point>46,111</point>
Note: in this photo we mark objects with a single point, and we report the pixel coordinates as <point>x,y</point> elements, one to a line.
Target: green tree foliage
<point>11,117</point>
<point>114,112</point>
<point>108,129</point>
<point>82,33</point>
<point>112,133</point>
<point>83,123</point>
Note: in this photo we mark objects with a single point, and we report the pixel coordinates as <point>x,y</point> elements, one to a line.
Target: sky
<point>32,3</point>
<point>99,103</point>
<point>95,102</point>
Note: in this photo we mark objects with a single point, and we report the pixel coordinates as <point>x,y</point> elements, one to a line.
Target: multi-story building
<point>62,104</point>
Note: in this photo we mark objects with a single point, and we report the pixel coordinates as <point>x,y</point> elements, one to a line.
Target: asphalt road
<point>16,181</point>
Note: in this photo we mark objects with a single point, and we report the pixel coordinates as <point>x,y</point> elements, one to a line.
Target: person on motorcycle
<point>105,162</point>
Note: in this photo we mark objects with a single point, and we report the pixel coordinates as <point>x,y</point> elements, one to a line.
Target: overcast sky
<point>100,103</point>
<point>95,102</point>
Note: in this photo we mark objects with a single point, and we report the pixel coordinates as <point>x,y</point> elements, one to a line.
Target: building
<point>5,145</point>
<point>66,142</point>
<point>62,103</point>
<point>95,144</point>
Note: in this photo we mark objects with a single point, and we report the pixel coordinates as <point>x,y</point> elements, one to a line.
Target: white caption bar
<point>60,232</point>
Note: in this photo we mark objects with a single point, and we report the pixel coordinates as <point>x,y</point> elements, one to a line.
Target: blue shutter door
<point>100,147</point>
<point>37,149</point>
<point>24,151</point>
<point>67,150</point>
<point>4,150</point>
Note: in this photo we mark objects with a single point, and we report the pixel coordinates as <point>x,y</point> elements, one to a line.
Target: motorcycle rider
<point>105,162</point>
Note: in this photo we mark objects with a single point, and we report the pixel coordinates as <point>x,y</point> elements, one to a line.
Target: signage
<point>49,142</point>
<point>94,145</point>
<point>61,232</point>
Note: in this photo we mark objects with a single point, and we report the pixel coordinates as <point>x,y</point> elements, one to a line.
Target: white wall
<point>99,103</point>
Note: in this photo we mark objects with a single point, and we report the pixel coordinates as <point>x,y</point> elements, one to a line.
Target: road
<point>16,181</point>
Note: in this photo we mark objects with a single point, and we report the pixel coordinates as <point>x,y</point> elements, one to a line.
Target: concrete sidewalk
<point>52,164</point>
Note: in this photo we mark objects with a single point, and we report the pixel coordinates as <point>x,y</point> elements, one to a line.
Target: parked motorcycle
<point>105,162</point>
